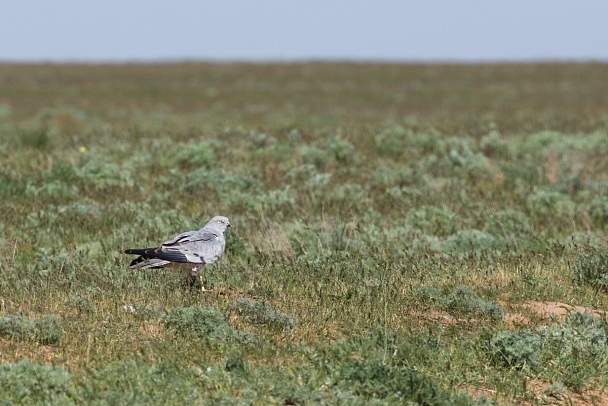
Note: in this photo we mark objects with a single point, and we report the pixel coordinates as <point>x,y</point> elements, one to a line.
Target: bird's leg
<point>189,273</point>
<point>200,277</point>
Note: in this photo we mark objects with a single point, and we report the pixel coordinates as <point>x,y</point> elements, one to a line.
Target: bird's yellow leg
<point>200,277</point>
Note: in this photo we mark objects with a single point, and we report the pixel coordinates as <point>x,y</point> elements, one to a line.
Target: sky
<point>285,30</point>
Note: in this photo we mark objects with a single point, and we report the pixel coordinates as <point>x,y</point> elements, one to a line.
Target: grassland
<point>402,233</point>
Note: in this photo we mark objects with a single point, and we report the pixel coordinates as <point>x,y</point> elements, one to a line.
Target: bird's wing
<point>194,246</point>
<point>180,237</point>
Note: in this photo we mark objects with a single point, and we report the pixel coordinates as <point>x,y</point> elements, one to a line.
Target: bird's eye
<point>219,222</point>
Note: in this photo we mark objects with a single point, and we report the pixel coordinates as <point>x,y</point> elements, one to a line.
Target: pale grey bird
<point>198,248</point>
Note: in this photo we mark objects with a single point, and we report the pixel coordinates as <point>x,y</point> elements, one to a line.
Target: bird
<point>196,248</point>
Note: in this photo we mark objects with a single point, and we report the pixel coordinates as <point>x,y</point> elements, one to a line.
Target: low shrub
<point>25,383</point>
<point>263,313</point>
<point>579,335</point>
<point>220,181</point>
<point>385,179</point>
<point>428,294</point>
<point>200,322</point>
<point>375,380</point>
<point>471,242</point>
<point>494,146</point>
<point>392,141</point>
<point>315,156</point>
<point>196,155</point>
<point>598,211</point>
<point>46,331</point>
<point>507,223</point>
<point>302,173</point>
<point>39,139</point>
<point>82,304</point>
<point>463,302</point>
<point>591,268</point>
<point>509,349</point>
<point>544,203</point>
<point>433,220</point>
<point>586,239</point>
<point>460,302</point>
<point>576,349</point>
<point>136,383</point>
<point>339,149</point>
<point>102,174</point>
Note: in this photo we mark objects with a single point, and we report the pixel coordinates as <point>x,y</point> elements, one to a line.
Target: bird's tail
<point>137,251</point>
<point>145,259</point>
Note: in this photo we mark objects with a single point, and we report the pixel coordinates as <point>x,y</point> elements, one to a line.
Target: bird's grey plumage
<point>202,247</point>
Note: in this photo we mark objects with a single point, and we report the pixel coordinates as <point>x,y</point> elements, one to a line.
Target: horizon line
<point>278,61</point>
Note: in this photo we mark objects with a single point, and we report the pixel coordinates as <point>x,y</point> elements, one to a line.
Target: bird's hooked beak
<point>229,225</point>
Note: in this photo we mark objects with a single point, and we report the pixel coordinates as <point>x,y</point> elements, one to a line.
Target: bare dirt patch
<point>585,398</point>
<point>559,310</point>
<point>537,394</point>
<point>532,313</point>
<point>442,318</point>
<point>527,314</point>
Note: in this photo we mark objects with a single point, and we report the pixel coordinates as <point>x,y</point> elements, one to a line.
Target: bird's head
<point>220,222</point>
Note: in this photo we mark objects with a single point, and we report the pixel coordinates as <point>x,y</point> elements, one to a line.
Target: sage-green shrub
<point>46,331</point>
<point>262,313</point>
<point>26,383</point>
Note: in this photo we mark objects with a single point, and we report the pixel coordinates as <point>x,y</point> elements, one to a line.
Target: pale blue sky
<point>424,30</point>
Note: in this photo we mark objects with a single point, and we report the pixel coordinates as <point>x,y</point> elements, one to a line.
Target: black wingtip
<point>137,261</point>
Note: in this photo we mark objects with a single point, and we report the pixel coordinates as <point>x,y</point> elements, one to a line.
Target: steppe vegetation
<point>399,233</point>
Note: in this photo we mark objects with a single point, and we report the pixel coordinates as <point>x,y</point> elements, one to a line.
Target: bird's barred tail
<point>146,259</point>
<point>136,251</point>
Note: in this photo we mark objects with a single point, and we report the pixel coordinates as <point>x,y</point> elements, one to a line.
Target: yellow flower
<point>83,149</point>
